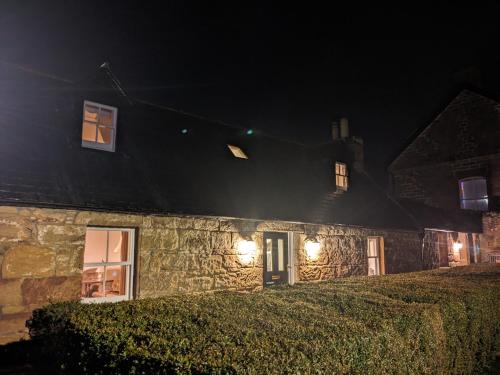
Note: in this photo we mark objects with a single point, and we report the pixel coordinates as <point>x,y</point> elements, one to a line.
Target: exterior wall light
<point>457,246</point>
<point>247,250</point>
<point>312,248</point>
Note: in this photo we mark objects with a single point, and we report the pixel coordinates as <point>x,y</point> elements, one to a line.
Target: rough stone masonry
<point>41,255</point>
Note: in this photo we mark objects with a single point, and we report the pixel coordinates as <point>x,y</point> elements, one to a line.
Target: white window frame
<point>291,259</point>
<point>96,145</point>
<point>344,177</point>
<point>129,283</point>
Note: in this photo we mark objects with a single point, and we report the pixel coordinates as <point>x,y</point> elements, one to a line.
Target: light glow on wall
<point>312,249</point>
<point>457,246</point>
<point>247,250</point>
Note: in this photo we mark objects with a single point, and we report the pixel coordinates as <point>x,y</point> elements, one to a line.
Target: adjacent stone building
<point>105,197</point>
<point>452,168</point>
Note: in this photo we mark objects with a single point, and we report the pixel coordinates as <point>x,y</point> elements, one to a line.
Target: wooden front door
<point>470,247</point>
<point>275,258</point>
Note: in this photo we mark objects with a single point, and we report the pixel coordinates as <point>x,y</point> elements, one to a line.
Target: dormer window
<point>237,152</point>
<point>341,177</point>
<point>99,126</point>
<point>473,194</point>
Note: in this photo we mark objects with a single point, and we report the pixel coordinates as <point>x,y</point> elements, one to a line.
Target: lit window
<point>473,194</point>
<point>107,265</point>
<point>341,177</point>
<point>99,126</point>
<point>237,152</point>
<point>375,261</point>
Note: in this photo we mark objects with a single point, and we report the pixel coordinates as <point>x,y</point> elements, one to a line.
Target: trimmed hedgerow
<point>434,322</point>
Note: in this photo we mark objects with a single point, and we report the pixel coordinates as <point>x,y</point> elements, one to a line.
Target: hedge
<point>432,322</point>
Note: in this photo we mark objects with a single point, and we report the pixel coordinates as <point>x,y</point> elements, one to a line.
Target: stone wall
<point>344,252</point>
<point>490,238</point>
<point>41,255</point>
<point>430,249</point>
<point>40,261</point>
<point>437,185</point>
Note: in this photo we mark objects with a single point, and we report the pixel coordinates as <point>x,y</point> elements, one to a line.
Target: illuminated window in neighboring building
<point>99,126</point>
<point>473,194</point>
<point>237,152</point>
<point>341,177</point>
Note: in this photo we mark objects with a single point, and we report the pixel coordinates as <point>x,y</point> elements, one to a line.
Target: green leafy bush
<point>434,322</point>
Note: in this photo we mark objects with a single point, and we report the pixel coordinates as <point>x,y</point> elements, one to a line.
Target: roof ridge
<point>218,122</point>
<point>418,132</point>
<point>480,95</point>
<point>139,100</point>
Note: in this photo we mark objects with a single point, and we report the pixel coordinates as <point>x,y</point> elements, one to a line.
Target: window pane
<point>106,117</point>
<point>373,266</point>
<point>372,247</point>
<point>281,255</point>
<point>116,277</point>
<point>269,254</point>
<point>473,189</point>
<point>90,113</point>
<point>104,135</point>
<point>473,194</point>
<point>478,204</point>
<point>95,246</point>
<point>93,282</point>
<point>118,246</point>
<point>89,132</point>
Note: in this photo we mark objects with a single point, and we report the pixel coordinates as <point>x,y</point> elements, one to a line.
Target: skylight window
<point>99,126</point>
<point>237,152</point>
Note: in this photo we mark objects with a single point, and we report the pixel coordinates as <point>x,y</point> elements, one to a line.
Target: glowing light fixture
<point>457,246</point>
<point>247,250</point>
<point>184,131</point>
<point>312,248</point>
<point>249,131</point>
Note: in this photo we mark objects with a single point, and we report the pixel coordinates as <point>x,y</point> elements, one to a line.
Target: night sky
<point>283,70</point>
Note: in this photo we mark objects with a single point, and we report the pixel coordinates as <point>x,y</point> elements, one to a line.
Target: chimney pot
<point>344,128</point>
<point>335,130</point>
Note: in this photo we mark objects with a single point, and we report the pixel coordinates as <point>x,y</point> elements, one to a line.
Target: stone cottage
<point>106,197</point>
<point>452,167</point>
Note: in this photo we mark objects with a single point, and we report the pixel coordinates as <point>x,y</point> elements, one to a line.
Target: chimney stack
<point>353,148</point>
<point>335,131</point>
<point>344,128</point>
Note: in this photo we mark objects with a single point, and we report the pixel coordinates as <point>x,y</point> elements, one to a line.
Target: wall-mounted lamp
<point>312,248</point>
<point>457,246</point>
<point>247,250</point>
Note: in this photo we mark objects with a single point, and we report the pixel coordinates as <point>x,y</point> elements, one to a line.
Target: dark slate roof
<point>157,169</point>
<point>469,126</point>
<point>436,218</point>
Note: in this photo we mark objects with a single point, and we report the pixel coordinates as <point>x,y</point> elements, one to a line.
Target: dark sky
<point>284,70</point>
